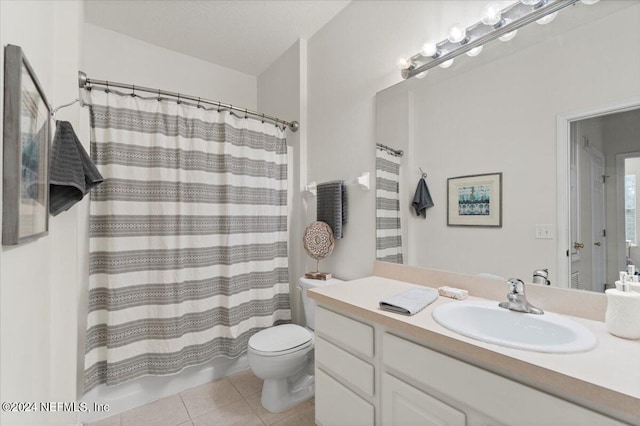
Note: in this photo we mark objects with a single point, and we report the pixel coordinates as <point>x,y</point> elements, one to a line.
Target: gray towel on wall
<point>410,301</point>
<point>72,174</point>
<point>422,198</point>
<point>332,205</point>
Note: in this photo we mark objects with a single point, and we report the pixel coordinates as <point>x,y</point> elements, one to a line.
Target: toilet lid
<point>280,338</point>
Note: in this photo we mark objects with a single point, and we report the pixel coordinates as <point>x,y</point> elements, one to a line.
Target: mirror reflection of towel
<point>72,174</point>
<point>332,205</point>
<point>422,198</point>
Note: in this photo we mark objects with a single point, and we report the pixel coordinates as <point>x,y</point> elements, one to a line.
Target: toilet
<point>283,356</point>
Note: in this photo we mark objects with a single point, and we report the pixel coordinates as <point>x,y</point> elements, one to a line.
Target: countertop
<point>605,379</point>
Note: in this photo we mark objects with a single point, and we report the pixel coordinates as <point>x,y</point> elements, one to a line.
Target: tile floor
<point>233,400</point>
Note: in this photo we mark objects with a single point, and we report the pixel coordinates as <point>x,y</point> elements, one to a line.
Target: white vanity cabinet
<point>344,371</point>
<point>367,375</point>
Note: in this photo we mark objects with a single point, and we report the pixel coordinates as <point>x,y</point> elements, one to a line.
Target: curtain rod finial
<point>294,126</point>
<point>82,79</point>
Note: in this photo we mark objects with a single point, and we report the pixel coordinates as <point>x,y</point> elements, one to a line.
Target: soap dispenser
<point>622,317</point>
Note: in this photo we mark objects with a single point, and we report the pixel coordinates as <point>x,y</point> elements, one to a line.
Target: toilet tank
<point>308,304</point>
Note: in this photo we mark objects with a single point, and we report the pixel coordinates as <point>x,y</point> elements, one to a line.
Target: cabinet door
<point>337,405</point>
<point>404,405</point>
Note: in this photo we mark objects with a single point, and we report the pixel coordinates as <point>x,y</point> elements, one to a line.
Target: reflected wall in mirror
<point>511,110</point>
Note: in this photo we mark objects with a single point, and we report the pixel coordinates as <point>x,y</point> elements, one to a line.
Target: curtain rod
<point>396,152</point>
<point>86,83</point>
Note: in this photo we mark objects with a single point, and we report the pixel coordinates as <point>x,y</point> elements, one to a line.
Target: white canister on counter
<point>622,317</point>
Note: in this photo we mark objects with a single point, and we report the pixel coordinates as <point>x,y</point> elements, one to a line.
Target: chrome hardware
<point>517,301</point>
<point>541,276</point>
<point>578,245</point>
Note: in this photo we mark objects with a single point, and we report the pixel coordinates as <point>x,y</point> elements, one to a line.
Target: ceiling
<point>244,35</point>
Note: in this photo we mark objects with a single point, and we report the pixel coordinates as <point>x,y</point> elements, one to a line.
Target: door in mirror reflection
<point>605,151</point>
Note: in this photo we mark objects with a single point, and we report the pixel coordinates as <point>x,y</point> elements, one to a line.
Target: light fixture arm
<point>515,16</point>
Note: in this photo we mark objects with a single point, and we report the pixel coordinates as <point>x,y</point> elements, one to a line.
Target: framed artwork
<point>26,136</point>
<point>475,200</point>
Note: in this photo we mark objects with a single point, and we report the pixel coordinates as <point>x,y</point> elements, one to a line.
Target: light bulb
<point>531,2</point>
<point>429,50</point>
<point>404,63</point>
<point>475,51</point>
<point>589,1</point>
<point>491,14</point>
<point>457,34</point>
<point>508,36</point>
<point>546,19</point>
<point>446,64</point>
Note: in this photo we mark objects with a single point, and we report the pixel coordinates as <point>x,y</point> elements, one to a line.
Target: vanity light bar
<point>513,17</point>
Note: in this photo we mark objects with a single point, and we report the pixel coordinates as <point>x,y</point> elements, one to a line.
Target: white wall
<point>109,55</point>
<point>350,59</point>
<point>501,117</point>
<point>281,93</point>
<point>39,282</point>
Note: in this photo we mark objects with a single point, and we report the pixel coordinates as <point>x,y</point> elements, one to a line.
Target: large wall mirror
<point>556,111</point>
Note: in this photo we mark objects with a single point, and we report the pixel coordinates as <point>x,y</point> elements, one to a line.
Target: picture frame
<point>26,139</point>
<point>475,200</point>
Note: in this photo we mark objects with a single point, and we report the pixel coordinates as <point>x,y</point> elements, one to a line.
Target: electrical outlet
<point>544,232</point>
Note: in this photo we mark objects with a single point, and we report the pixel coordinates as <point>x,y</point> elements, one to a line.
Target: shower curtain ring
<point>198,106</point>
<point>218,106</point>
<point>133,87</point>
<point>107,89</point>
<point>262,118</point>
<point>159,97</point>
<point>179,102</point>
<point>245,114</point>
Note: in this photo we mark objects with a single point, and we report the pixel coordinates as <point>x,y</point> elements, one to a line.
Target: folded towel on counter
<point>410,302</point>
<point>72,174</point>
<point>422,198</point>
<point>332,205</point>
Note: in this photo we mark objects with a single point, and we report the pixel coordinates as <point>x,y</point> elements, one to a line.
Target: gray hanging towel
<point>72,174</point>
<point>332,205</point>
<point>422,198</point>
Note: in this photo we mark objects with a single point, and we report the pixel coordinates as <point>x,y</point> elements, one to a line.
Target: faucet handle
<point>516,286</point>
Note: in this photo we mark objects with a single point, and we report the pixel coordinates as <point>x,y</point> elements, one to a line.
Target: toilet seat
<point>281,340</point>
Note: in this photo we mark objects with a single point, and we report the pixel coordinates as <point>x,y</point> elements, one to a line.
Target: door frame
<point>622,248</point>
<point>596,153</point>
<point>563,199</point>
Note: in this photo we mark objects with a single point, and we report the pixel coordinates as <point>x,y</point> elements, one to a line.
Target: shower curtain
<point>188,236</point>
<point>388,229</point>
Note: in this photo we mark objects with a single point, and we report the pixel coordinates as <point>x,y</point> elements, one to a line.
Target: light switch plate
<point>544,232</point>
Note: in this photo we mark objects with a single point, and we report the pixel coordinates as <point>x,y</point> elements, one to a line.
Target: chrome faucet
<point>517,301</point>
<point>541,276</point>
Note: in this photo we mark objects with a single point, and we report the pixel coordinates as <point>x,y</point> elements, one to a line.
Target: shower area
<point>188,240</point>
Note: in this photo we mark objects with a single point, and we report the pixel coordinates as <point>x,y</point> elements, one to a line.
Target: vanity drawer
<point>345,332</point>
<point>493,395</point>
<point>352,369</point>
<point>337,405</point>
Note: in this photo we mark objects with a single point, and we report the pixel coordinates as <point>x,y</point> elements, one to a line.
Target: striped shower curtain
<point>388,229</point>
<point>188,236</point>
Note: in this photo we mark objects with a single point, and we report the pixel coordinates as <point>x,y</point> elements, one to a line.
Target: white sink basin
<point>484,320</point>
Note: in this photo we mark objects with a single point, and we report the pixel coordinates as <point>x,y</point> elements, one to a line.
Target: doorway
<point>601,214</point>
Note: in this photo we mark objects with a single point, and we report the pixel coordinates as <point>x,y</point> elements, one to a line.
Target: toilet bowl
<point>283,357</point>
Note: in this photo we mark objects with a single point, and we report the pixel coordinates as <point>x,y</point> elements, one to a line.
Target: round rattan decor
<point>318,240</point>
